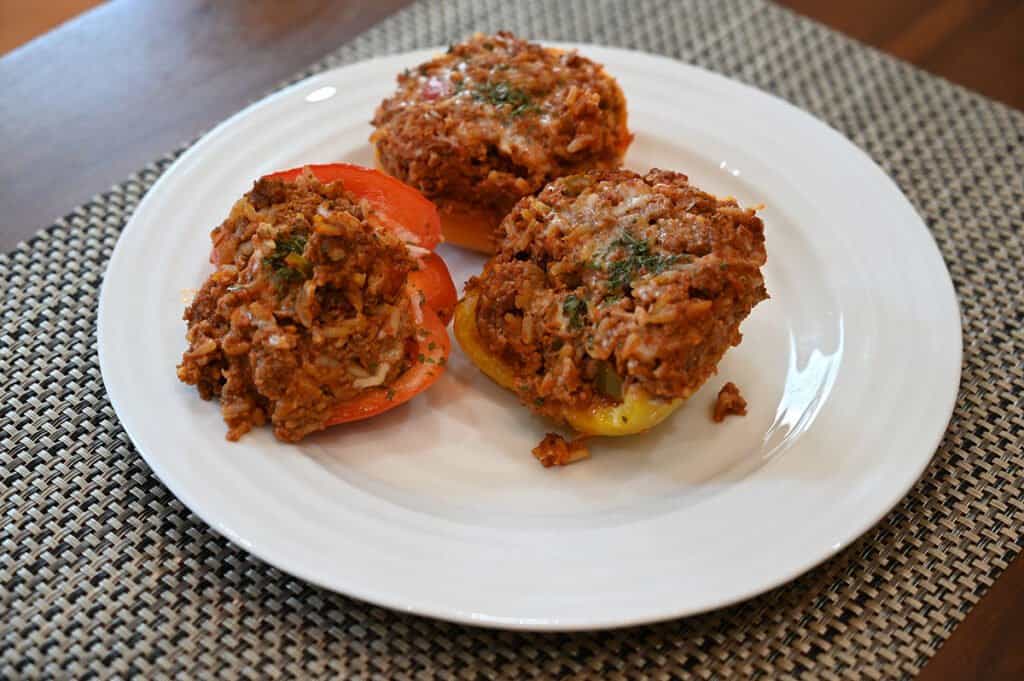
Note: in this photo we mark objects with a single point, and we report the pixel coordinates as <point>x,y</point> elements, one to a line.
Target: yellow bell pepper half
<point>637,412</point>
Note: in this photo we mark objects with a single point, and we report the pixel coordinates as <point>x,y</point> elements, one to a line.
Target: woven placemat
<point>104,574</point>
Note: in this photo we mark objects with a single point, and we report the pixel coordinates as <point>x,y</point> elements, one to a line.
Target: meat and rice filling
<point>497,118</point>
<point>307,308</point>
<point>610,281</point>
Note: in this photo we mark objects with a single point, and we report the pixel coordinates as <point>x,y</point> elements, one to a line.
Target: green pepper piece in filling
<point>607,382</point>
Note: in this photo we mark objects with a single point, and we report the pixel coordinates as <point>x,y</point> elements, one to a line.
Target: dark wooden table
<point>101,96</point>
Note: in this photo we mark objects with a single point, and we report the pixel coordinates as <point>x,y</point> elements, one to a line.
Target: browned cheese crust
<point>306,309</point>
<point>497,118</point>
<point>728,402</point>
<point>609,281</point>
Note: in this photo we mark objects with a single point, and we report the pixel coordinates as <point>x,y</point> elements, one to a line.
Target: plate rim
<point>402,604</point>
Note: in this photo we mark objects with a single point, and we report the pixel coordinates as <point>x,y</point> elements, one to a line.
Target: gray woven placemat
<point>104,574</point>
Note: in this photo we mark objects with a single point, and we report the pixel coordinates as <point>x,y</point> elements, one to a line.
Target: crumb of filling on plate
<point>555,450</point>
<point>729,402</point>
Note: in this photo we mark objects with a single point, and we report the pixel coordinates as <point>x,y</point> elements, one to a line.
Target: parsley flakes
<point>287,264</point>
<point>503,94</point>
<point>574,309</point>
<point>637,259</point>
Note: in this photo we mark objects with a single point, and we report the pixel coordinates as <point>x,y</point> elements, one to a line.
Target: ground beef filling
<point>497,118</point>
<point>729,402</point>
<point>555,450</point>
<point>608,282</point>
<point>307,308</point>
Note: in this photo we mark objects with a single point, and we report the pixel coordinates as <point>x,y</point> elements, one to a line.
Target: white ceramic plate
<point>438,507</point>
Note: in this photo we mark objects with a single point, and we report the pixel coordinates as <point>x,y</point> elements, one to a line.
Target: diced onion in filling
<point>376,379</point>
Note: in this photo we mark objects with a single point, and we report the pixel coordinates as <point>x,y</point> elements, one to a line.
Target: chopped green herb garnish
<point>422,358</point>
<point>285,277</point>
<point>504,95</point>
<point>287,263</point>
<point>620,273</point>
<point>631,242</point>
<point>638,258</point>
<point>538,401</point>
<point>431,346</point>
<point>612,299</point>
<point>285,246</point>
<point>391,394</point>
<point>574,308</point>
